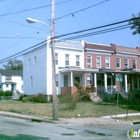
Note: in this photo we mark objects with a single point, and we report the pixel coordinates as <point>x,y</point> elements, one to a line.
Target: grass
<point>89,109</point>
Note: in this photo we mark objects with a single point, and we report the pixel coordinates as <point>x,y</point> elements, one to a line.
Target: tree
<point>14,65</point>
<point>135,24</point>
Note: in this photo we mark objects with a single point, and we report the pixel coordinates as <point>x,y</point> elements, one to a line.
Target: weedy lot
<point>90,109</point>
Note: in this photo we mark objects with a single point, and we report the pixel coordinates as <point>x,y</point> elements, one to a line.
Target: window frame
<point>56,58</point>
<point>67,60</point>
<point>89,81</point>
<point>65,81</point>
<point>34,59</point>
<point>89,64</point>
<point>135,63</point>
<point>97,62</point>
<point>8,78</point>
<point>78,61</point>
<point>31,81</point>
<point>118,63</point>
<point>127,63</point>
<point>56,80</point>
<point>29,63</point>
<point>107,62</point>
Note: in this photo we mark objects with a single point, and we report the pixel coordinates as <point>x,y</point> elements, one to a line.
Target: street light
<point>31,20</point>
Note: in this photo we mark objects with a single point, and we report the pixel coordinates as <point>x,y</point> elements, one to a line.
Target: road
<point>20,129</point>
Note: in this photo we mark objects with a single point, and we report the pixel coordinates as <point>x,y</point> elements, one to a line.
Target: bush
<point>69,100</point>
<point>6,93</point>
<point>25,99</point>
<point>38,98</point>
<point>83,95</point>
<point>22,96</point>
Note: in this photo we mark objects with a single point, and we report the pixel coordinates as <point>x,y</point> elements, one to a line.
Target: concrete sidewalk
<point>106,120</point>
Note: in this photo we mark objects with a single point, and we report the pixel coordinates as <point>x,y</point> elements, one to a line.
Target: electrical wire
<point>75,37</point>
<point>36,8</point>
<point>82,9</point>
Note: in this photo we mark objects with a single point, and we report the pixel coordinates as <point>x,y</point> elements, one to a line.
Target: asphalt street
<point>21,129</point>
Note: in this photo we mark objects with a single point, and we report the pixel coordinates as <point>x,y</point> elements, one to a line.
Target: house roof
<point>11,72</point>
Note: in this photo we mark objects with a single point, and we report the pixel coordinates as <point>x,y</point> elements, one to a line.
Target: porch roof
<point>92,70</point>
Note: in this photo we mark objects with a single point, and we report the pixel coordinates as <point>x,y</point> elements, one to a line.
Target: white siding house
<point>37,66</point>
<point>11,80</point>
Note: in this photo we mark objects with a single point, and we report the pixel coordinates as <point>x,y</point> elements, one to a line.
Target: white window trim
<point>96,61</point>
<point>89,64</point>
<point>127,61</point>
<point>119,61</point>
<point>29,64</point>
<point>34,59</point>
<point>90,79</point>
<point>105,61</point>
<point>67,60</point>
<point>78,60</point>
<point>135,61</point>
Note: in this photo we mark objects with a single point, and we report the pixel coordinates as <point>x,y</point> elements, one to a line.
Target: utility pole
<point>55,108</point>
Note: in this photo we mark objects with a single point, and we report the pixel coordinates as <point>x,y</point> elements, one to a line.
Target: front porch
<point>97,80</point>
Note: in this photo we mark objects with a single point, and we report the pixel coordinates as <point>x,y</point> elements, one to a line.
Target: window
<point>107,62</point>
<point>7,85</point>
<point>29,64</point>
<point>89,61</point>
<point>56,58</point>
<point>98,62</point>
<point>126,63</point>
<point>57,80</point>
<point>77,60</point>
<point>31,82</point>
<point>34,59</point>
<point>8,78</point>
<point>89,80</point>
<point>67,59</point>
<point>118,62</point>
<point>65,80</point>
<point>134,63</point>
<point>21,87</point>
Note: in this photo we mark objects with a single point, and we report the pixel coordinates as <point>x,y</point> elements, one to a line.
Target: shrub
<point>25,99</point>
<point>38,98</point>
<point>83,95</point>
<point>8,93</point>
<point>1,93</point>
<point>69,100</point>
<point>22,96</point>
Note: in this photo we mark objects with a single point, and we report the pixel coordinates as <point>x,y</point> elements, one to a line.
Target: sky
<point>17,35</point>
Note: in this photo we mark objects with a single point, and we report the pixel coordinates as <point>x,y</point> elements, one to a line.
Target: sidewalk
<point>105,120</point>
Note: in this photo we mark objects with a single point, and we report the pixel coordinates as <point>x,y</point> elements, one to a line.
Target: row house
<point>94,66</point>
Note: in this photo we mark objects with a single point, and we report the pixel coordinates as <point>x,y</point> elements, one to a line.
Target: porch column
<point>84,79</point>
<point>105,81</point>
<point>125,81</point>
<point>95,80</point>
<point>71,79</point>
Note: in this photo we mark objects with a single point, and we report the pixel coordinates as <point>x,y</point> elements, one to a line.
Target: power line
<point>36,8</point>
<point>82,9</point>
<point>83,35</point>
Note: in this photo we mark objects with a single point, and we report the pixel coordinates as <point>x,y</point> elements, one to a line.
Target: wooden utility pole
<point>55,108</point>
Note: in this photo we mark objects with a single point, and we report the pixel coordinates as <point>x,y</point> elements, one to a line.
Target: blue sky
<point>24,35</point>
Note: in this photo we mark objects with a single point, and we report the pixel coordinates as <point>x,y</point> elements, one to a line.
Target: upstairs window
<point>98,62</point>
<point>34,59</point>
<point>118,62</point>
<point>134,63</point>
<point>107,62</point>
<point>77,60</point>
<point>57,80</point>
<point>56,58</point>
<point>126,63</point>
<point>89,61</point>
<point>8,78</point>
<point>29,64</point>
<point>67,59</point>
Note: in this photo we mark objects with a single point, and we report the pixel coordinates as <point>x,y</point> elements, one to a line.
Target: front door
<point>12,87</point>
<point>77,79</point>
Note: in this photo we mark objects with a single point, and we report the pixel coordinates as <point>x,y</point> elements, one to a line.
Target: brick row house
<point>95,66</point>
